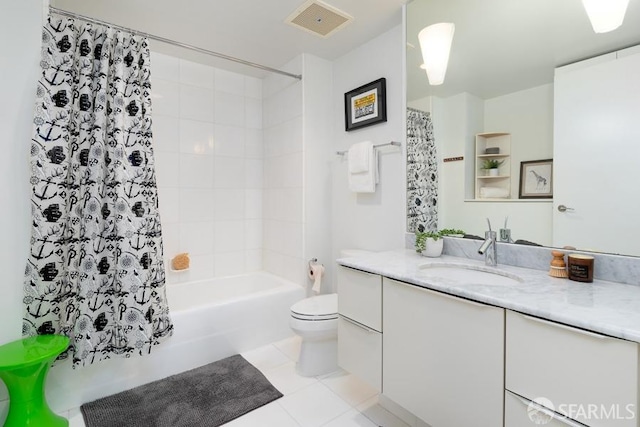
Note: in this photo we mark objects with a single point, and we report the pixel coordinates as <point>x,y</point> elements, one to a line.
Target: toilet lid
<point>322,307</point>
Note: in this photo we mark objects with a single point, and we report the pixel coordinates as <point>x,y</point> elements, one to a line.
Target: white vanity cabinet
<point>360,325</point>
<point>589,377</point>
<point>443,356</point>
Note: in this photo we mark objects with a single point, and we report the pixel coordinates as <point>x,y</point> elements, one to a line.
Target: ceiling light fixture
<point>605,15</point>
<point>435,43</point>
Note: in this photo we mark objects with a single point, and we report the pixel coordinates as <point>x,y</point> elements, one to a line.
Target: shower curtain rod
<point>175,43</point>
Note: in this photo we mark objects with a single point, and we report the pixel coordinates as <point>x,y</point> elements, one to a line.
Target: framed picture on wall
<point>536,179</point>
<point>365,105</point>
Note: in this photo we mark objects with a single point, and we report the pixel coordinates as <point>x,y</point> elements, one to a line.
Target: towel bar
<point>396,143</point>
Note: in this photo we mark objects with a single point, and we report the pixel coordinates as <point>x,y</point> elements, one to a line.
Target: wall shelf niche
<point>493,146</point>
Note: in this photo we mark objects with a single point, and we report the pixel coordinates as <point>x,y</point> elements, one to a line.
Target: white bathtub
<point>213,319</point>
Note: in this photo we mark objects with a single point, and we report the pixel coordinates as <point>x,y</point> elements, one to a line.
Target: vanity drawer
<point>517,414</point>
<point>570,366</point>
<point>360,297</point>
<point>360,351</point>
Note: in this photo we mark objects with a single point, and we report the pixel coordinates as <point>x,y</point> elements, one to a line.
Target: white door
<point>597,154</point>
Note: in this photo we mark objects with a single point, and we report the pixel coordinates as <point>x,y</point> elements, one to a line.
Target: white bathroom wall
<point>318,158</point>
<point>283,174</point>
<point>207,130</point>
<point>370,221</point>
<point>20,33</point>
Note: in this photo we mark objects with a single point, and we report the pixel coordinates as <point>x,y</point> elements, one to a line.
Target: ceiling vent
<point>319,18</point>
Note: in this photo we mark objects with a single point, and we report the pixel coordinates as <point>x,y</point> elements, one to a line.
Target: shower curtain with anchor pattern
<point>422,173</point>
<point>95,272</point>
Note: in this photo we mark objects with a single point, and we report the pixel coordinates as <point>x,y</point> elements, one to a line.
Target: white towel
<point>359,157</point>
<point>494,193</point>
<point>365,181</point>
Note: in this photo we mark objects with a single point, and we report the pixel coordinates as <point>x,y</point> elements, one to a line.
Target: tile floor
<point>333,400</point>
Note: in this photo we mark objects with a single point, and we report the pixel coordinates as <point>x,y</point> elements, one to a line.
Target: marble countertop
<point>606,307</point>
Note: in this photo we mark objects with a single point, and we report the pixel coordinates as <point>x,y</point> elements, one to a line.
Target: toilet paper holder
<point>312,261</point>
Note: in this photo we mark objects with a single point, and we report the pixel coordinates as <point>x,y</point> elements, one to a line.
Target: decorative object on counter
<point>180,262</point>
<point>431,244</point>
<point>536,179</point>
<point>581,267</point>
<point>365,105</point>
<point>492,165</point>
<point>558,267</point>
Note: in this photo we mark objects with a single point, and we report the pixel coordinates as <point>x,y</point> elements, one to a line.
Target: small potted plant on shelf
<point>492,165</point>
<point>429,243</point>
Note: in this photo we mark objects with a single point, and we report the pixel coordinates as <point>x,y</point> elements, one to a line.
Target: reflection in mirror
<point>500,80</point>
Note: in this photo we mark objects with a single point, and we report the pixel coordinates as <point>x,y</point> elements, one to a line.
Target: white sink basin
<point>469,274</point>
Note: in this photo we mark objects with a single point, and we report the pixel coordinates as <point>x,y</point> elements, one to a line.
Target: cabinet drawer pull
<point>568,328</point>
<point>359,325</point>
<point>552,414</point>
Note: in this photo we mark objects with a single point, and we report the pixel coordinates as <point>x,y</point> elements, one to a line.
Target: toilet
<point>315,320</point>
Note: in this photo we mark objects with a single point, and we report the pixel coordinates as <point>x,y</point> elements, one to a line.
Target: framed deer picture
<point>536,179</point>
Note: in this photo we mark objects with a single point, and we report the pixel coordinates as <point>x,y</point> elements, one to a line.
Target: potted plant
<point>452,232</point>
<point>492,166</point>
<point>429,243</point>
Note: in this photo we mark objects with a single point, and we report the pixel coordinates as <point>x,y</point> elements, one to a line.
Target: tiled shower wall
<point>207,133</point>
<point>283,162</point>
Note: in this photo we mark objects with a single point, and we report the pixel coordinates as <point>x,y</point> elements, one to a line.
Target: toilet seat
<point>319,308</point>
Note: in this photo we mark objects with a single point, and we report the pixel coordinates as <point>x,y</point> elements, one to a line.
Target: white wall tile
<point>170,241</point>
<point>292,170</point>
<point>291,204</point>
<point>229,172</point>
<point>229,141</point>
<point>165,98</point>
<point>254,173</point>
<point>253,113</point>
<point>201,267</point>
<point>196,137</point>
<point>253,204</point>
<point>196,103</point>
<point>166,133</point>
<point>230,82</point>
<point>169,204</point>
<point>167,169</point>
<point>195,74</point>
<point>230,263</point>
<point>197,238</point>
<point>229,109</point>
<point>229,236</point>
<point>253,260</point>
<point>229,204</point>
<point>291,239</point>
<point>253,234</point>
<point>164,67</point>
<point>252,87</point>
<point>196,205</point>
<point>254,147</point>
<point>196,171</point>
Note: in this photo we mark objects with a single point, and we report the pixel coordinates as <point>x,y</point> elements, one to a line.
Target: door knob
<point>563,208</point>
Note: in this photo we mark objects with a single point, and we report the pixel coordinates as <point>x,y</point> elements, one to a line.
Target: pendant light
<point>605,15</point>
<point>435,44</point>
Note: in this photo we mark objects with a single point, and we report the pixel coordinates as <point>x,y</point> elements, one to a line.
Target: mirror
<point>500,78</point>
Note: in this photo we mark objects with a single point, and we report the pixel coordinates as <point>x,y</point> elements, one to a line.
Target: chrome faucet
<point>489,247</point>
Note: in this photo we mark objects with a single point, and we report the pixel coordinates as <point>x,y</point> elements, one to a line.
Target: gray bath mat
<point>207,396</point>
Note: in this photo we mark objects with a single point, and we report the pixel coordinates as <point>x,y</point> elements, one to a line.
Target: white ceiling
<point>501,46</point>
<point>253,30</point>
